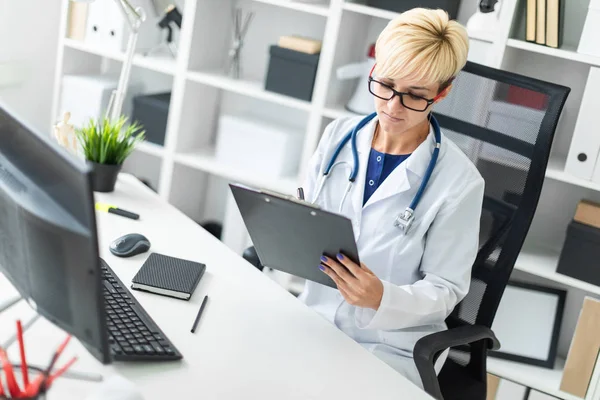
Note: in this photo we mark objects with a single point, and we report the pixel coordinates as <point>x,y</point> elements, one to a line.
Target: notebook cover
<point>170,273</point>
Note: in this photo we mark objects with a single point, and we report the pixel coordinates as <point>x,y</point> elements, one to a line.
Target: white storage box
<point>87,96</point>
<point>107,28</point>
<point>264,148</point>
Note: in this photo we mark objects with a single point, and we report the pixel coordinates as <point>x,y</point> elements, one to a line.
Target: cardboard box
<point>588,213</point>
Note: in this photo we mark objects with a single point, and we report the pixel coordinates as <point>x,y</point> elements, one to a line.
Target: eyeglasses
<point>408,100</point>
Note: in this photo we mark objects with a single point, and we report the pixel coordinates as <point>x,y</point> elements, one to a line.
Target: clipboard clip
<point>287,197</point>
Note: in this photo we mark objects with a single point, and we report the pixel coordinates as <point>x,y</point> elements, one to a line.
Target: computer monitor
<point>48,240</point>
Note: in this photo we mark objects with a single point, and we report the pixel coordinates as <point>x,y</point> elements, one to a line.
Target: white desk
<point>255,340</point>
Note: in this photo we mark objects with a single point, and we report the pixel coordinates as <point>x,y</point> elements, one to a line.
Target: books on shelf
<point>544,22</point>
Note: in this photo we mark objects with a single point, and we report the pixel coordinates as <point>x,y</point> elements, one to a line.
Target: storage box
<point>291,72</point>
<point>451,6</point>
<point>588,213</point>
<point>264,148</point>
<point>87,96</point>
<point>581,253</point>
<point>152,111</point>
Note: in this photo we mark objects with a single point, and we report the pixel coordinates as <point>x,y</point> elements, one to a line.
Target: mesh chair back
<point>505,124</point>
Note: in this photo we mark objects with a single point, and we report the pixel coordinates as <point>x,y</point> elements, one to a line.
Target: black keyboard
<point>132,334</point>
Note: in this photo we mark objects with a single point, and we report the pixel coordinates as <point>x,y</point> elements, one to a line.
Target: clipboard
<point>291,235</point>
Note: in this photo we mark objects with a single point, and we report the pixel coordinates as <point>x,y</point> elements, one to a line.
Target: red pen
<point>24,369</point>
<point>11,382</point>
<point>1,388</point>
<point>61,371</point>
<point>57,354</point>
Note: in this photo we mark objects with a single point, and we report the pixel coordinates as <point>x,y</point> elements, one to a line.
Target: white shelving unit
<point>186,172</point>
<point>541,379</point>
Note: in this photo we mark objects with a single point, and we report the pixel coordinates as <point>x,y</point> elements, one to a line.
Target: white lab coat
<point>426,273</point>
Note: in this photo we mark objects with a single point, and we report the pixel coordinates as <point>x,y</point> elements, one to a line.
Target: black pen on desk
<point>199,314</point>
<point>300,193</point>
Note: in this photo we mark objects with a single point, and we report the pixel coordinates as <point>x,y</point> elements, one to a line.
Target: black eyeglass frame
<point>401,95</point>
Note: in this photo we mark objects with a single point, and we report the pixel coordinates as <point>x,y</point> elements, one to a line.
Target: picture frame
<point>527,323</point>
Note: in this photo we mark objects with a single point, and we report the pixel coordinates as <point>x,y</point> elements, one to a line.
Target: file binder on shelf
<point>585,144</point>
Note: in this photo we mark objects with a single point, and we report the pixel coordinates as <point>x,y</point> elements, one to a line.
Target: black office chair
<point>505,124</point>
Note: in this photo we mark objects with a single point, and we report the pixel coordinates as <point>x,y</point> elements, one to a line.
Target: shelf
<point>205,160</point>
<point>165,65</point>
<point>566,52</point>
<point>481,36</point>
<point>151,148</point>
<point>249,88</point>
<point>318,9</point>
<point>372,11</point>
<point>543,262</point>
<point>336,112</point>
<point>541,379</point>
<point>556,171</point>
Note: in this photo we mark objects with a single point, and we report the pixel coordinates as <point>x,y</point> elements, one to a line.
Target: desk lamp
<point>172,15</point>
<point>134,17</point>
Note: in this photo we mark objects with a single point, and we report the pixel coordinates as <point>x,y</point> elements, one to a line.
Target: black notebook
<point>168,276</point>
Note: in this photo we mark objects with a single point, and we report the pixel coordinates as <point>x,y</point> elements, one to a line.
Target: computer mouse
<point>129,245</point>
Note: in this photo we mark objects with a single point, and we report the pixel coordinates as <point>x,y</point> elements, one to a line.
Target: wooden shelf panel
<point>566,52</point>
<point>249,88</point>
<point>541,379</point>
<point>151,148</point>
<point>162,64</point>
<point>543,262</point>
<point>205,160</point>
<point>317,9</point>
<point>556,171</point>
<point>372,11</point>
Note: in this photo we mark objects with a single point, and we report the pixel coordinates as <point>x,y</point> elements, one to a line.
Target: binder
<point>585,144</point>
<point>588,44</point>
<point>583,351</point>
<point>77,20</point>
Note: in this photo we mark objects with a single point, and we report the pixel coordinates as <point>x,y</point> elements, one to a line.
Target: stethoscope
<point>404,220</point>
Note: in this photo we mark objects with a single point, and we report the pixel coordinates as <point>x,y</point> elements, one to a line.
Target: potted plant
<point>105,145</point>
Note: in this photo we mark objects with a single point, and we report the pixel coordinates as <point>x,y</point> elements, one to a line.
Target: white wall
<point>28,47</point>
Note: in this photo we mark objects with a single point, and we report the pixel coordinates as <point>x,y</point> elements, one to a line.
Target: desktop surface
<point>255,340</point>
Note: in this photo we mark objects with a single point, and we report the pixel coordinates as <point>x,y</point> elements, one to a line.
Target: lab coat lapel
<point>408,174</point>
<point>363,145</point>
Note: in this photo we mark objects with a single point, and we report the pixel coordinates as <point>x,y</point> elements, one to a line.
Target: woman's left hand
<point>357,283</point>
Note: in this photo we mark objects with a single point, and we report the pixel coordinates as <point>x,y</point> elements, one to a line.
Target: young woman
<point>415,268</point>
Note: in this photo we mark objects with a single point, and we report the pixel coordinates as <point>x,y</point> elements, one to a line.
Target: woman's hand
<point>358,284</point>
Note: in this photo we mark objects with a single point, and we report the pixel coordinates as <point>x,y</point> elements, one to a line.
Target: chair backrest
<point>505,123</point>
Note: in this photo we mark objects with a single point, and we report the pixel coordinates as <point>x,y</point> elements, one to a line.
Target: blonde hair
<point>422,44</point>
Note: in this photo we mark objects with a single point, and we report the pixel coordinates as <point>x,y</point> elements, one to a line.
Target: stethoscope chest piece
<point>405,220</point>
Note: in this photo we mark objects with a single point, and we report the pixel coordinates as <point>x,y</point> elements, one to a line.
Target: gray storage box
<point>451,6</point>
<point>291,72</point>
<point>580,256</point>
<point>152,111</point>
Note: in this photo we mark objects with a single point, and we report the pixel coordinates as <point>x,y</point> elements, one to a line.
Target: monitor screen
<point>48,240</point>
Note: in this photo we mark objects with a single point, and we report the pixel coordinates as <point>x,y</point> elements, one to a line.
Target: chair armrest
<point>428,348</point>
<point>251,256</point>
